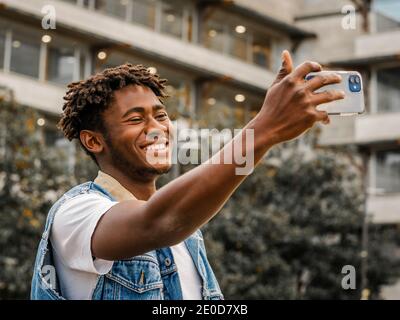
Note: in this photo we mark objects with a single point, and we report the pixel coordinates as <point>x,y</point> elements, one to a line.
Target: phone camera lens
<point>354,83</point>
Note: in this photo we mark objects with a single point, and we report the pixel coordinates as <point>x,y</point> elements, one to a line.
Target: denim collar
<point>107,182</point>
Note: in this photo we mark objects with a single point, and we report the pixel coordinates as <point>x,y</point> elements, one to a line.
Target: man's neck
<point>142,188</point>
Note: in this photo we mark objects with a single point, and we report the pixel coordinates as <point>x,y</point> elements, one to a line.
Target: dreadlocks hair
<point>86,100</point>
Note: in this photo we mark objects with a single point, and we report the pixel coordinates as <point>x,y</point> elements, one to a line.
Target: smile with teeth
<point>156,147</point>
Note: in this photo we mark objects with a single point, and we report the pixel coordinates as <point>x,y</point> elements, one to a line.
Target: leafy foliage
<point>32,177</point>
<point>285,234</point>
<point>291,227</point>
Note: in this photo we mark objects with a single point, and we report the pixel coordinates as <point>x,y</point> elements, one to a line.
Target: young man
<point>120,238</point>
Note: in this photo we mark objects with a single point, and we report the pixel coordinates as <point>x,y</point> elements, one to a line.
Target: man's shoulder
<point>83,188</point>
<point>82,193</point>
<point>87,188</point>
<point>80,202</point>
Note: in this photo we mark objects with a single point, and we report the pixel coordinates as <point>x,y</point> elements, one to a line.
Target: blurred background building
<point>219,58</point>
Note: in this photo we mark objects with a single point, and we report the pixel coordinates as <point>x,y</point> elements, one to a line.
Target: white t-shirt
<point>73,227</point>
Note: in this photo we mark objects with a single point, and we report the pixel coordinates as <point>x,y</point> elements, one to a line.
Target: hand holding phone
<point>352,85</point>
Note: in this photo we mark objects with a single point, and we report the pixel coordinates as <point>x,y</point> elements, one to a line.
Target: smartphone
<point>352,85</point>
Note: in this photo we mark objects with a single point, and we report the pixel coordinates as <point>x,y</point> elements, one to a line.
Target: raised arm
<point>178,209</point>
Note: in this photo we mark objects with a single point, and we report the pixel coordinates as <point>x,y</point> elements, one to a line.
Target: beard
<point>134,169</point>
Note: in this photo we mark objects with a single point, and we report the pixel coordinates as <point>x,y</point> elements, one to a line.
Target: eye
<point>135,119</point>
<point>162,116</point>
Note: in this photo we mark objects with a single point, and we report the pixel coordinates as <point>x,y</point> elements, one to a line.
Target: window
<point>90,4</point>
<point>238,45</point>
<point>214,37</point>
<point>227,107</point>
<point>388,90</point>
<point>116,8</point>
<point>144,12</point>
<point>113,59</point>
<point>178,102</point>
<point>47,56</point>
<point>61,64</point>
<point>70,1</point>
<point>172,18</point>
<point>261,51</point>
<point>25,52</point>
<point>2,48</point>
<point>82,65</point>
<point>226,34</point>
<point>388,170</point>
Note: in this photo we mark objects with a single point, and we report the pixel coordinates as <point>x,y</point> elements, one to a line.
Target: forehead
<point>133,96</point>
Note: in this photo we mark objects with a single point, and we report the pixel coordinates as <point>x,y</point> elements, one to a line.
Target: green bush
<point>32,177</point>
<point>291,227</point>
<point>286,233</point>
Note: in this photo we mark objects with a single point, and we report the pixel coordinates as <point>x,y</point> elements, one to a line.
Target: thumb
<point>286,67</point>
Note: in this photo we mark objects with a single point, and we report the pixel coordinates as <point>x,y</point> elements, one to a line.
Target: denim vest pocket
<point>138,278</point>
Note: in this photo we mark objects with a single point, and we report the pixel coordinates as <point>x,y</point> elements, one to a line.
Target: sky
<point>390,8</point>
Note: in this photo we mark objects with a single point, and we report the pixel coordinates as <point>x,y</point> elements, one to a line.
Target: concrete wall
<point>377,127</point>
<point>340,131</point>
<point>384,209</point>
<point>31,92</point>
<point>378,44</point>
<point>314,7</point>
<point>372,128</point>
<point>336,43</point>
<point>332,42</point>
<point>391,292</point>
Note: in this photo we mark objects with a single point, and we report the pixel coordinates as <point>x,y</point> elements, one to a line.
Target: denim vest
<point>150,276</point>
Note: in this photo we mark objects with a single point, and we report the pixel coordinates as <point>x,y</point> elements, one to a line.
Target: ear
<point>92,141</point>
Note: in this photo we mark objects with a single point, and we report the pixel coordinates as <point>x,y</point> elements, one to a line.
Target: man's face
<point>138,130</point>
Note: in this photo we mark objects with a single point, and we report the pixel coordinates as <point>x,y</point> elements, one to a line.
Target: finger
<point>305,68</point>
<point>322,116</point>
<point>327,121</point>
<point>319,116</point>
<point>323,80</point>
<point>286,67</point>
<point>287,61</point>
<point>327,96</point>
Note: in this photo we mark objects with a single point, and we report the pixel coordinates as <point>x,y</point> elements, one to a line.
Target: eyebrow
<point>139,109</point>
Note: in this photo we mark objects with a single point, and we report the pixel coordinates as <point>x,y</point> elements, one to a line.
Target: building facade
<point>219,56</point>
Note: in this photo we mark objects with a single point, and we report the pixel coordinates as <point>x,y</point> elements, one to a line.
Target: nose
<point>155,130</point>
